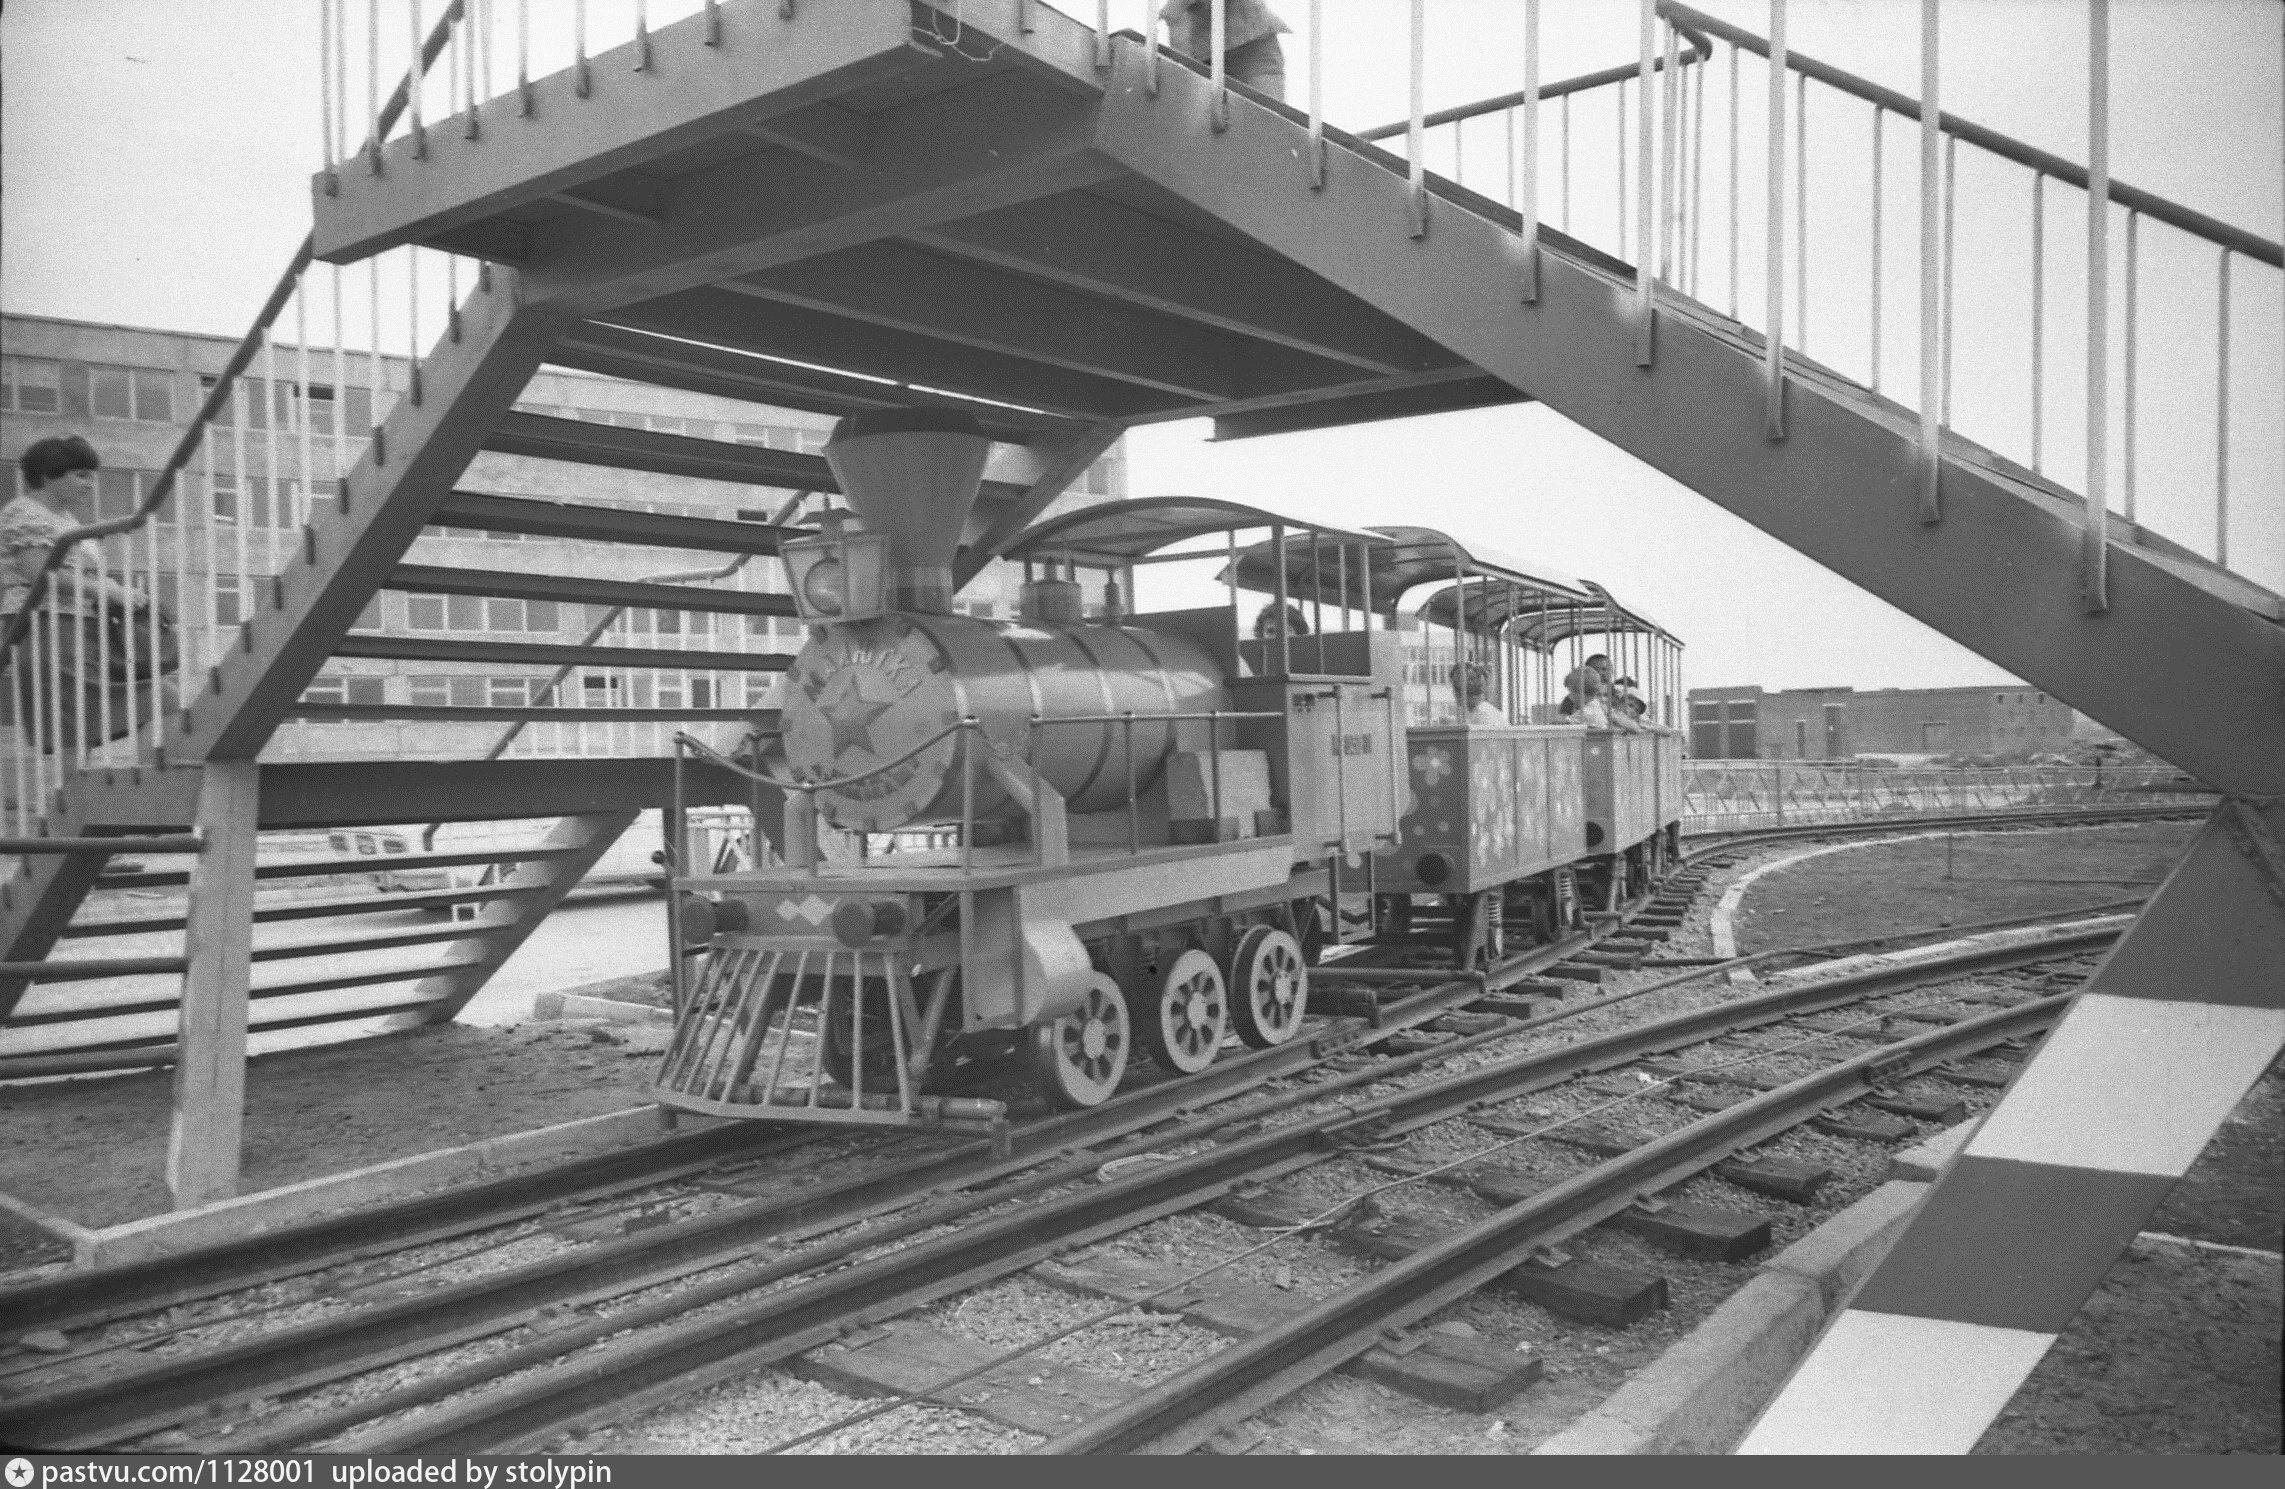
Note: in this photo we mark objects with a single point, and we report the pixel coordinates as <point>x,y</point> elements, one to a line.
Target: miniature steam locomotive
<point>1062,837</point>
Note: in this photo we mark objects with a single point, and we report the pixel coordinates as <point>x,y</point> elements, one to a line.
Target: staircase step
<point>80,1012</point>
<point>446,713</point>
<point>574,589</point>
<point>615,445</point>
<point>367,904</point>
<point>580,521</point>
<point>530,654</point>
<point>314,868</point>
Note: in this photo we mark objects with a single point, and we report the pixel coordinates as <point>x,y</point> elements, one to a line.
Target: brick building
<point>1743,723</point>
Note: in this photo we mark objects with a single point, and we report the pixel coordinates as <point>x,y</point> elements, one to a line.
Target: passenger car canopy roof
<point>1409,558</point>
<point>1125,530</point>
<point>1603,616</point>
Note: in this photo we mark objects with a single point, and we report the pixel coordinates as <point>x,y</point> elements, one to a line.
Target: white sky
<point>156,159</point>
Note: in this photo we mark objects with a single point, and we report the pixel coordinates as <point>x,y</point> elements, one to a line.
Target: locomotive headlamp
<point>824,588</point>
<point>841,574</point>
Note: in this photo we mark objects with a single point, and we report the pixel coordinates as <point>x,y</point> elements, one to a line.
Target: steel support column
<point>218,939</point>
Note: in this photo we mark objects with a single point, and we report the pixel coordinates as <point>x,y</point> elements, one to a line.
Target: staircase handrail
<point>225,385</point>
<point>1701,50</point>
<point>1697,25</point>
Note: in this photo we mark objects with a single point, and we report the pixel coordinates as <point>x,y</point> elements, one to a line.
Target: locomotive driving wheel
<point>1077,1059</point>
<point>1271,987</point>
<point>841,1035</point>
<point>1184,1013</point>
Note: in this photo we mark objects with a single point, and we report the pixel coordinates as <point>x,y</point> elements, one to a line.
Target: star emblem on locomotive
<point>851,715</point>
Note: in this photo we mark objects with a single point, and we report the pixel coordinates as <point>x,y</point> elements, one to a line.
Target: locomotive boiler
<point>1053,834</point>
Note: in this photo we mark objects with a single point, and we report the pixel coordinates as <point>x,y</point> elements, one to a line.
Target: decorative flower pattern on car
<point>1433,764</point>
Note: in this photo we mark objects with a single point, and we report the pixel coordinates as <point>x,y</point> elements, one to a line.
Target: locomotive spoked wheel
<point>1185,1013</point>
<point>880,1052</point>
<point>1078,1059</point>
<point>1271,987</point>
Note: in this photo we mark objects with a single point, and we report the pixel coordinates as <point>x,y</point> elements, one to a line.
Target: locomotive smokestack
<point>912,473</point>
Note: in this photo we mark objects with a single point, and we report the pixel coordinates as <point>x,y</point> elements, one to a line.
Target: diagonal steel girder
<point>2164,1040</point>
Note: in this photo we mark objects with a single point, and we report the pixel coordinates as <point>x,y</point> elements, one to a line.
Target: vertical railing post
<point>1773,350</point>
<point>1646,146</point>
<point>2128,334</point>
<point>1879,118</point>
<point>1931,308</point>
<point>1416,164</point>
<point>2221,420</point>
<point>2038,319</point>
<point>1527,195</point>
<point>1317,93</point>
<point>1218,33</point>
<point>1103,35</point>
<point>2094,582</point>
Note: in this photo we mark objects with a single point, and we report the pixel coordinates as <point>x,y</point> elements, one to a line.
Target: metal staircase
<point>1070,232</point>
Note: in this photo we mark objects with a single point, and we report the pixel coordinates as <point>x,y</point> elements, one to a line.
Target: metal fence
<point>1737,795</point>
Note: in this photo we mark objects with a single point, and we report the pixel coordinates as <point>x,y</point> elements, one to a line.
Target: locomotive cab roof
<point>1123,532</point>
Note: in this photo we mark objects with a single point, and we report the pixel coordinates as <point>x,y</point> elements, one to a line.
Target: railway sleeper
<point>1440,1365</point>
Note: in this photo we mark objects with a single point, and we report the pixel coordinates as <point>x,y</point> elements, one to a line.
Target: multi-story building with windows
<point>132,391</point>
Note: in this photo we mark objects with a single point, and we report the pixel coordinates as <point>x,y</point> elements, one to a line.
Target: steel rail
<point>81,1299</point>
<point>1723,842</point>
<point>164,1391</point>
<point>652,1369</point>
<point>1227,1387</point>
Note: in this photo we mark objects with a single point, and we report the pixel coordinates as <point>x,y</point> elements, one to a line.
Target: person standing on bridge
<point>1250,51</point>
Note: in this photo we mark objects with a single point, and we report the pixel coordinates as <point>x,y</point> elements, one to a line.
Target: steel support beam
<point>1087,242</point>
<point>952,299</point>
<point>1005,138</point>
<point>1370,404</point>
<point>799,334</point>
<point>2174,1027</point>
<point>538,887</point>
<point>722,371</point>
<point>388,497</point>
<point>2178,670</point>
<point>218,935</point>
<point>1063,464</point>
<point>584,523</point>
<point>545,437</point>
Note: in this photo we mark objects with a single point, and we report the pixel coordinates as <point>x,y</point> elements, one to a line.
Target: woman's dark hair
<point>1265,624</point>
<point>56,456</point>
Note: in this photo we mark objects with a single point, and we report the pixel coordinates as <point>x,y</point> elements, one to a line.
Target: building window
<point>333,688</point>
<point>444,691</point>
<point>32,385</point>
<point>227,611</point>
<point>480,613</point>
<point>254,503</point>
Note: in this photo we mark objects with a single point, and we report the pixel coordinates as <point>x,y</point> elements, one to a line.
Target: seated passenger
<point>1574,682</point>
<point>1595,709</point>
<point>1625,698</point>
<point>1475,710</point>
<point>1265,624</point>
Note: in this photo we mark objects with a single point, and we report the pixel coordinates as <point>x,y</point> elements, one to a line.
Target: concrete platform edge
<point>1704,1391</point>
<point>548,1006</point>
<point>183,1230</point>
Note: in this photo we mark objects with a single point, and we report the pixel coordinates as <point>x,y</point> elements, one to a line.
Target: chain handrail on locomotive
<point>1144,810</point>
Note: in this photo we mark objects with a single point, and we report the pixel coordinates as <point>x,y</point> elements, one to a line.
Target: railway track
<point>695,1265</point>
<point>561,1388</point>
